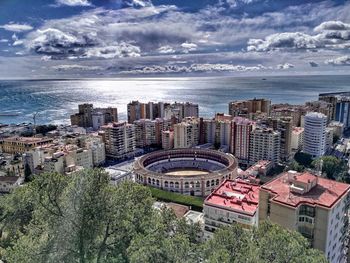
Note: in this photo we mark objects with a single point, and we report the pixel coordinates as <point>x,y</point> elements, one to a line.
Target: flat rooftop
<point>26,139</point>
<point>325,193</point>
<point>236,195</point>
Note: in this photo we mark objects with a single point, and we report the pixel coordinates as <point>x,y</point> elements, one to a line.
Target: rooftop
<point>237,195</point>
<point>323,192</point>
<point>9,179</point>
<point>26,139</point>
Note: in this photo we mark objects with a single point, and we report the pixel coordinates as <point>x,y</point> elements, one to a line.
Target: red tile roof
<point>235,195</point>
<point>326,192</point>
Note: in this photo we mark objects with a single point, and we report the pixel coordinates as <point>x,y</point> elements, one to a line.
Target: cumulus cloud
<point>73,2</point>
<point>340,61</point>
<point>193,68</point>
<point>3,40</point>
<point>166,50</point>
<point>76,67</point>
<point>285,66</point>
<point>188,47</point>
<point>118,51</point>
<point>331,34</point>
<point>16,27</point>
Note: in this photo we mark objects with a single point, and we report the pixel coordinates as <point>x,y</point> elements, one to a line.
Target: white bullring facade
<point>187,171</point>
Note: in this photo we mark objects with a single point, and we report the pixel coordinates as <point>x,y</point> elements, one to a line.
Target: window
<point>307,210</point>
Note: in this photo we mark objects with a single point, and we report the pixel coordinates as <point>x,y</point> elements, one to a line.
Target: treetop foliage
<point>83,218</point>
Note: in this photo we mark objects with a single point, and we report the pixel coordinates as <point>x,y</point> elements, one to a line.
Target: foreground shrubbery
<point>82,218</point>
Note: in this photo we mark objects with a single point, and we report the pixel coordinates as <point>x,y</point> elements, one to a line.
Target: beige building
<point>297,139</point>
<point>22,144</point>
<point>168,140</point>
<point>246,108</point>
<point>316,207</point>
<point>186,133</point>
<point>148,132</point>
<point>9,183</point>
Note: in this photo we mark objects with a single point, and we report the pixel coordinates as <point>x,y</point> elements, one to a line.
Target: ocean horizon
<point>56,99</point>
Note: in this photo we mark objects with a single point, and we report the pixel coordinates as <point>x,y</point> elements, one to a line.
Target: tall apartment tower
<point>240,138</point>
<point>246,107</point>
<point>148,132</point>
<point>315,125</point>
<point>264,145</point>
<point>186,134</point>
<point>168,140</point>
<point>136,111</point>
<point>119,139</point>
<point>316,207</point>
<point>285,126</point>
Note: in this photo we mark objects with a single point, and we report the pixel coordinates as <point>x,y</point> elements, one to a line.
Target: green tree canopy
<point>83,218</point>
<point>334,168</point>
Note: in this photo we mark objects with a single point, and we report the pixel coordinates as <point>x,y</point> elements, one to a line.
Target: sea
<point>53,101</point>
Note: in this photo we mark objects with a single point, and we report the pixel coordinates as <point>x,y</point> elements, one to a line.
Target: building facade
<point>315,125</point>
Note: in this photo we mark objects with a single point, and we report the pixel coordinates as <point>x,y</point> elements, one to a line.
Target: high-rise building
<point>136,111</point>
<point>148,132</point>
<point>240,138</point>
<point>186,133</point>
<point>217,132</point>
<point>316,207</point>
<point>245,108</point>
<point>297,139</point>
<point>315,124</point>
<point>167,140</point>
<point>89,117</point>
<point>285,126</point>
<point>264,145</point>
<point>119,139</point>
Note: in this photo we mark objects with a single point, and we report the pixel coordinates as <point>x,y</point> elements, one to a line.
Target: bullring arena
<point>188,171</point>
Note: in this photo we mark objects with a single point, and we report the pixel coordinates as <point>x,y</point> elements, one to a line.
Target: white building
<point>55,163</point>
<point>119,139</point>
<point>233,202</point>
<point>315,134</point>
<point>8,183</point>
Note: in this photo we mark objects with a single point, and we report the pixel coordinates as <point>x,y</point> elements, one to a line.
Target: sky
<point>123,38</point>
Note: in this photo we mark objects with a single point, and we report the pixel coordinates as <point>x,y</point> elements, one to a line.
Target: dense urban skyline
<point>92,38</point>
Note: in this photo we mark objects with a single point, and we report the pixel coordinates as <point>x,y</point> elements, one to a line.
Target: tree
<point>83,218</point>
<point>303,159</point>
<point>333,167</point>
<point>267,243</point>
<point>295,166</point>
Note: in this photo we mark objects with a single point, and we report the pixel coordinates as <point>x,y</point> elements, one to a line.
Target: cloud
<point>332,25</point>
<point>74,2</point>
<point>331,35</point>
<point>166,50</point>
<point>16,27</point>
<point>118,51</point>
<point>193,68</point>
<point>340,61</point>
<point>76,67</point>
<point>18,42</point>
<point>285,66</point>
<point>188,47</point>
<point>4,40</point>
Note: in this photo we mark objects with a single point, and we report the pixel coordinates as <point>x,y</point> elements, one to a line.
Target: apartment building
<point>148,132</point>
<point>168,139</point>
<point>240,138</point>
<point>186,133</point>
<point>119,139</point>
<point>316,207</point>
<point>234,201</point>
<point>264,145</point>
<point>21,145</point>
<point>88,117</point>
<point>315,125</point>
<point>297,139</point>
<point>245,108</point>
